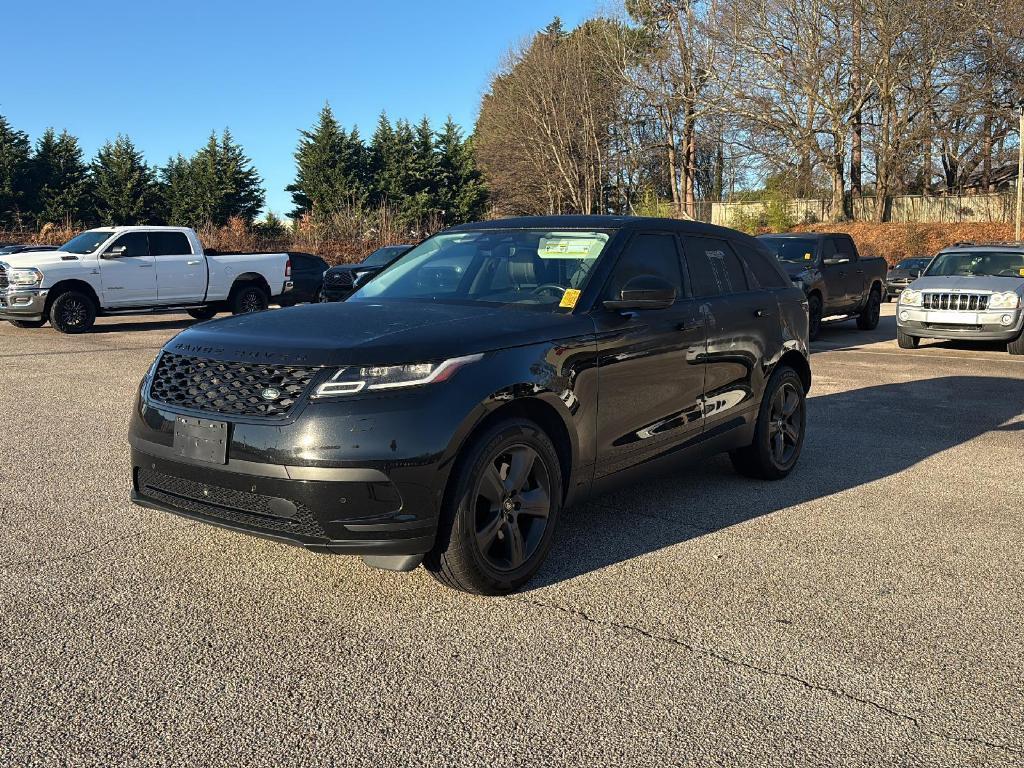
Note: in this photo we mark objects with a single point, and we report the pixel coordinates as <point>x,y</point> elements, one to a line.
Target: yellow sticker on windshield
<point>807,257</point>
<point>569,298</point>
<point>1021,272</point>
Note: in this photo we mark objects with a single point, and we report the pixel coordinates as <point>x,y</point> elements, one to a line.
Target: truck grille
<point>249,510</point>
<point>3,279</point>
<point>235,389</point>
<point>341,279</point>
<point>958,302</point>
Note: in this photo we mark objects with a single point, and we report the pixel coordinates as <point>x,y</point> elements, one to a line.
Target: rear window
<point>715,269</point>
<point>169,244</point>
<point>766,274</point>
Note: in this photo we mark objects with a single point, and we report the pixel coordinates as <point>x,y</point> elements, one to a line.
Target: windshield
<point>792,249</point>
<point>977,264</point>
<point>912,264</point>
<point>87,242</point>
<point>382,256</point>
<point>500,266</point>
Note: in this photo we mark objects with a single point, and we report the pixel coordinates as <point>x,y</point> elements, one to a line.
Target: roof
<point>598,222</point>
<point>1000,245</point>
<point>804,234</point>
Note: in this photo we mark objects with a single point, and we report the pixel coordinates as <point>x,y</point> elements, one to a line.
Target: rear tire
<point>28,323</point>
<point>500,510</point>
<point>203,313</point>
<point>1016,347</point>
<point>867,320</point>
<point>779,432</point>
<point>905,340</point>
<point>813,317</point>
<point>73,312</point>
<point>248,298</point>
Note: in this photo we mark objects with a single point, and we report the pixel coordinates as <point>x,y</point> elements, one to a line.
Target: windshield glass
<point>87,242</point>
<point>977,264</point>
<point>792,249</point>
<point>382,256</point>
<point>912,264</point>
<point>500,266</point>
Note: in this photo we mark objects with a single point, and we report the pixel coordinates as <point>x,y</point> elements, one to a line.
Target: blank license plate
<point>952,318</point>
<point>201,440</point>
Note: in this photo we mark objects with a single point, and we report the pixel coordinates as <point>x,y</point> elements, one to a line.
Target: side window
<point>648,254</point>
<point>715,269</point>
<point>763,271</point>
<point>169,244</point>
<point>828,249</point>
<point>845,248</point>
<point>135,244</point>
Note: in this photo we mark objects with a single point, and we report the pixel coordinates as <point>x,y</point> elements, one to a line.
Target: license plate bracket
<point>201,440</point>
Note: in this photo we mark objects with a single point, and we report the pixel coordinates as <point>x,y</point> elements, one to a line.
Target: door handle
<point>761,313</point>
<point>691,325</point>
<point>193,263</point>
<point>842,274</point>
<point>145,266</point>
<point>860,271</point>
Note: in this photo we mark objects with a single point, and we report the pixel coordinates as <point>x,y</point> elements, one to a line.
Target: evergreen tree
<point>421,193</point>
<point>124,190</point>
<point>461,194</point>
<point>330,168</point>
<point>15,174</point>
<point>391,160</point>
<point>60,179</point>
<point>179,193</point>
<point>223,183</point>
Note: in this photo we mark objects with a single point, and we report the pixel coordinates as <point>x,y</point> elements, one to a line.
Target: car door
<point>126,272</point>
<point>854,277</point>
<point>180,274</point>
<point>834,273</point>
<point>743,331</point>
<point>651,366</point>
<point>307,276</point>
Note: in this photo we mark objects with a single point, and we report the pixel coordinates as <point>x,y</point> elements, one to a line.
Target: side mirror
<point>116,252</point>
<point>644,292</point>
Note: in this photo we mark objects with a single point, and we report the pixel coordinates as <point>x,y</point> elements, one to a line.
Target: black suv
<point>341,281</point>
<point>456,404</point>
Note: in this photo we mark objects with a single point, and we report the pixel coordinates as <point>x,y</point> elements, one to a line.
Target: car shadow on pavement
<point>854,438</point>
<point>132,326</point>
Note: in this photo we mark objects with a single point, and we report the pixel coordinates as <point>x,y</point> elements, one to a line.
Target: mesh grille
<point>230,388</point>
<point>342,279</point>
<point>250,510</point>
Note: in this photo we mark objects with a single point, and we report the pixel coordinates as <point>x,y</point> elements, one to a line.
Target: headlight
<point>348,381</point>
<point>25,276</point>
<point>909,298</point>
<point>1008,300</point>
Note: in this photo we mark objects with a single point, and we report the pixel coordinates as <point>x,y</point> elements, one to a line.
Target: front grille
<point>249,510</point>
<point>234,389</point>
<point>958,302</point>
<point>3,279</point>
<point>341,279</point>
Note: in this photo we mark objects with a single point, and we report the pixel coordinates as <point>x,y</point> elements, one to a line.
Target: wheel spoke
<point>790,431</point>
<point>779,445</point>
<point>791,403</point>
<point>535,503</point>
<point>778,404</point>
<point>491,487</point>
<point>485,536</point>
<point>521,464</point>
<point>516,548</point>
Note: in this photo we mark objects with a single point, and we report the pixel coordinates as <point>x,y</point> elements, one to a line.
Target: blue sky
<point>167,72</point>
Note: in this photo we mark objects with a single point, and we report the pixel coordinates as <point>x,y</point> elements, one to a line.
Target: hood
<point>366,333</point>
<point>38,259</point>
<point>960,283</point>
<point>901,274</point>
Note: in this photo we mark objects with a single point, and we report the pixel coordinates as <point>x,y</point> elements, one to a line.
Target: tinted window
<point>828,249</point>
<point>845,248</point>
<point>135,244</point>
<point>306,262</point>
<point>714,268</point>
<point>382,256</point>
<point>648,254</point>
<point>169,244</point>
<point>765,274</point>
<point>793,249</point>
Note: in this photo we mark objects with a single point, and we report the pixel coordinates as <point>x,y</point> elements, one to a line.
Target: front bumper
<point>23,303</point>
<point>946,324</point>
<point>896,288</point>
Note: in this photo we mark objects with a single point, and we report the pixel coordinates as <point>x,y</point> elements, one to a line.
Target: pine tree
<point>330,169</point>
<point>461,194</point>
<point>179,193</point>
<point>15,174</point>
<point>391,160</point>
<point>124,189</point>
<point>223,183</point>
<point>60,180</point>
<point>421,193</point>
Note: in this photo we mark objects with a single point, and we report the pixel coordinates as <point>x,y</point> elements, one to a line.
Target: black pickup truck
<point>839,283</point>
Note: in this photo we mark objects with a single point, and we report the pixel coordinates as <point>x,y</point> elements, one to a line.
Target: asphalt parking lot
<point>865,611</point>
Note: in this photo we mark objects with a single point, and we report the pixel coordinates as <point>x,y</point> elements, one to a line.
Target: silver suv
<point>969,291</point>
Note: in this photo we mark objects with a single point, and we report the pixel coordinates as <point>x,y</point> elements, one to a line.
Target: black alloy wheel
<point>779,431</point>
<point>249,298</point>
<point>513,504</point>
<point>869,316</point>
<point>72,312</point>
<point>785,424</point>
<point>813,317</point>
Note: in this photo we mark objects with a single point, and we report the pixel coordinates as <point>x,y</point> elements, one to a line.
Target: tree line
<point>414,175</point>
<point>666,104</point>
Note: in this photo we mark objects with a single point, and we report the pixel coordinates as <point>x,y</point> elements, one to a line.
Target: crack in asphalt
<point>735,662</point>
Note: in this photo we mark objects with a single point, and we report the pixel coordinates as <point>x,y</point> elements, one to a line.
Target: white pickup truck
<point>128,270</point>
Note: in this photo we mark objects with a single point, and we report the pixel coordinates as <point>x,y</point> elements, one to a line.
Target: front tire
<point>1016,347</point>
<point>27,323</point>
<point>248,298</point>
<point>202,313</point>
<point>867,320</point>
<point>500,510</point>
<point>73,312</point>
<point>779,432</point>
<point>905,340</point>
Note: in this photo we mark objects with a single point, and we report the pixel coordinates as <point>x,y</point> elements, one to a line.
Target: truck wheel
<point>1016,347</point>
<point>813,317</point>
<point>248,298</point>
<point>202,313</point>
<point>500,511</point>
<point>73,312</point>
<point>867,320</point>
<point>27,323</point>
<point>779,432</point>
<point>905,340</point>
